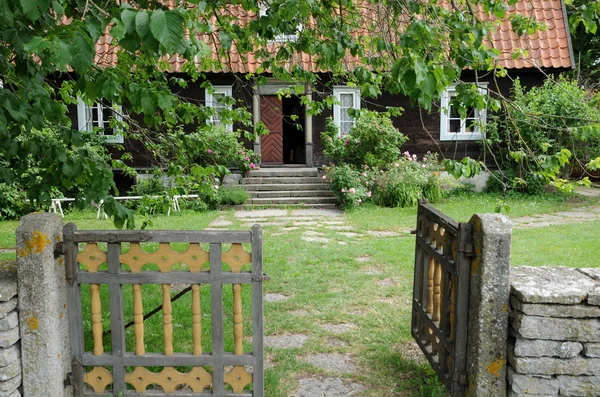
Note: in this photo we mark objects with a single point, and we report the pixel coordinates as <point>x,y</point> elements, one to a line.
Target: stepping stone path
<point>337,363</point>
<point>327,387</point>
<point>275,297</point>
<point>338,328</point>
<point>334,342</point>
<point>576,215</point>
<point>285,341</point>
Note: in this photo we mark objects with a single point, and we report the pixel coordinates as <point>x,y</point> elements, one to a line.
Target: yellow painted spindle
<point>437,292</point>
<point>138,320</point>
<point>430,272</point>
<point>96,319</point>
<point>167,319</point>
<point>196,320</point>
<point>238,331</point>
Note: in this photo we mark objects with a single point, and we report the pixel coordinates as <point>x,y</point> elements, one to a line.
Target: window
<point>216,101</point>
<point>455,128</point>
<point>98,116</point>
<point>347,98</point>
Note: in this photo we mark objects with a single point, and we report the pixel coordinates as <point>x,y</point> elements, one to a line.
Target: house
<point>294,135</point>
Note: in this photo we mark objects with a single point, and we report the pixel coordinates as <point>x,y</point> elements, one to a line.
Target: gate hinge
<point>466,248</point>
<point>59,249</point>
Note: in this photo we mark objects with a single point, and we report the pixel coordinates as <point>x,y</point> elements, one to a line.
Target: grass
<point>329,286</point>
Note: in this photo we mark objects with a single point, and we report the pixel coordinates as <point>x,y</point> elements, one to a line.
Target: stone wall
<point>554,334</point>
<point>10,350</point>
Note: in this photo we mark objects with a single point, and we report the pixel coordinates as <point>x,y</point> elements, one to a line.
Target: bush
<point>233,196</point>
<point>541,133</point>
<point>372,141</point>
<point>13,202</point>
<point>407,180</point>
<point>350,187</point>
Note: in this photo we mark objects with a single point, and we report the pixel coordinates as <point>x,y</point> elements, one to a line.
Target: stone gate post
<point>489,294</point>
<point>42,306</point>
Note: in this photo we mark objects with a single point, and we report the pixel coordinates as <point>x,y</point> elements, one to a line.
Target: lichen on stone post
<point>42,306</point>
<point>489,293</point>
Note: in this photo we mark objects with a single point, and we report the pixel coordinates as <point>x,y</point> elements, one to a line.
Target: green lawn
<point>329,286</point>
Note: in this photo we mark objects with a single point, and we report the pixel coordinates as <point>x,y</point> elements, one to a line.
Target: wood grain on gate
<point>271,115</point>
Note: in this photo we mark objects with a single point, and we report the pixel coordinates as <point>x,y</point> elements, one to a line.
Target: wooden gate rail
<point>441,294</point>
<point>198,379</point>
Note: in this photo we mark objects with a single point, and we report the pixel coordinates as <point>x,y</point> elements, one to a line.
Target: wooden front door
<point>271,114</point>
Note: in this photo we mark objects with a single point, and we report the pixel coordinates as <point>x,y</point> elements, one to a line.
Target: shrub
<point>407,180</point>
<point>541,133</point>
<point>13,202</point>
<point>233,196</point>
<point>372,141</point>
<point>154,205</point>
<point>350,187</point>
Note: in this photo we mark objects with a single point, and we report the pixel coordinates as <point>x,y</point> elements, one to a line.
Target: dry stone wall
<point>554,347</point>
<point>10,350</point>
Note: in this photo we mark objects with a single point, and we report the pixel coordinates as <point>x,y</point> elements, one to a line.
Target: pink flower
<point>396,165</point>
<point>368,194</point>
<point>359,201</point>
<point>209,151</point>
<point>414,156</point>
<point>343,190</point>
<point>364,174</point>
<point>407,154</point>
<point>252,165</point>
<point>329,139</point>
<point>325,177</point>
<point>247,158</point>
<point>352,190</point>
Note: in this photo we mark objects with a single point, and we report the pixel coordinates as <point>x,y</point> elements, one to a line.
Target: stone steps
<point>291,193</point>
<point>276,187</point>
<point>292,200</point>
<point>283,206</point>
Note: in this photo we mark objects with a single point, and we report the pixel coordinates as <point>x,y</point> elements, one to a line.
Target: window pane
<point>347,100</point>
<point>455,126</point>
<point>95,116</point>
<point>344,116</point>
<point>345,127</point>
<point>107,116</point>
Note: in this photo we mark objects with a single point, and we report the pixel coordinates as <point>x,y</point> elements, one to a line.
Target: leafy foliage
<point>233,196</point>
<point>372,141</point>
<point>408,180</point>
<point>350,186</point>
<point>545,130</point>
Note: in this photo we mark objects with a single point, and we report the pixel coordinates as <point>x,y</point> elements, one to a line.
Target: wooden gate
<point>271,114</point>
<point>441,294</point>
<point>118,275</point>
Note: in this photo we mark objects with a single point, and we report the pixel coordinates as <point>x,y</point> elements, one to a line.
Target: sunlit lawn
<point>331,286</point>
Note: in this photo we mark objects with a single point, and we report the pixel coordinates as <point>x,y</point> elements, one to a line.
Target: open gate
<point>441,294</point>
<point>112,264</point>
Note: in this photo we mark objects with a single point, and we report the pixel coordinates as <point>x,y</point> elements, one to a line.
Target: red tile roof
<point>546,49</point>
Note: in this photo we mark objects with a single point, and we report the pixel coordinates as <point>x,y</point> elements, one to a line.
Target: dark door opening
<point>294,150</point>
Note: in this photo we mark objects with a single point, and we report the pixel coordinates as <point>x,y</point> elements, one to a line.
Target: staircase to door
<point>274,187</point>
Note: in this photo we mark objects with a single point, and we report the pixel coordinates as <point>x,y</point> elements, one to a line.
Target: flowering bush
<point>407,180</point>
<point>350,186</point>
<point>372,141</point>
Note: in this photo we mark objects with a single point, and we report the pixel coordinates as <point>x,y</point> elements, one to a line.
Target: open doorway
<point>294,151</point>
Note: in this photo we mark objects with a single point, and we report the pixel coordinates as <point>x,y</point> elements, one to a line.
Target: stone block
<point>591,272</point>
<point>232,179</point>
<point>9,322</point>
<point>489,299</point>
<point>550,285</point>
<point>10,371</point>
<point>9,338</point>
<point>546,348</point>
<point>526,384</point>
<point>594,296</point>
<point>579,385</point>
<point>554,366</point>
<point>591,349</point>
<point>8,280</point>
<point>551,310</point>
<point>8,388</point>
<point>7,307</point>
<point>514,394</point>
<point>562,329</point>
<point>10,354</point>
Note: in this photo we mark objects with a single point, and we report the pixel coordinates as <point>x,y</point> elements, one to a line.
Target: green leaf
<point>128,16</point>
<point>33,8</point>
<point>225,39</point>
<point>82,53</point>
<point>167,28</point>
<point>142,24</point>
<point>34,45</point>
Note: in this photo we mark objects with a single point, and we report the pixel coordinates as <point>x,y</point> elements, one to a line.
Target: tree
<point>413,47</point>
<point>583,17</point>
